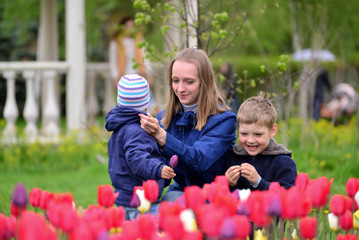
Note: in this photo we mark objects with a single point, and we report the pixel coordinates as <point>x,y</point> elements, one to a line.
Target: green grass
<point>82,183</point>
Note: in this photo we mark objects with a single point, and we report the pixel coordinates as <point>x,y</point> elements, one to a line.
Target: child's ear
<point>274,130</point>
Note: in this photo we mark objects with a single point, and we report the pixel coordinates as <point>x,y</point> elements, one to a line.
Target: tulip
<point>105,195</point>
<point>81,232</point>
<point>235,194</point>
<point>308,227</point>
<point>45,198</point>
<point>347,237</point>
<point>242,209</point>
<point>173,161</point>
<point>19,196</point>
<point>62,216</point>
<point>147,226</point>
<point>356,197</point>
<point>193,197</point>
<point>167,210</point>
<point>117,216</point>
<point>188,220</point>
<point>338,204</point>
<point>356,220</point>
<point>244,194</point>
<point>151,190</point>
<point>275,207</point>
<point>258,205</point>
<point>227,229</point>
<point>295,197</point>
<point>4,227</point>
<point>242,226</point>
<point>352,205</point>
<point>346,221</point>
<point>352,186</point>
<point>197,235</point>
<point>33,226</point>
<point>211,221</point>
<point>174,227</point>
<point>135,200</point>
<point>318,191</point>
<point>17,211</point>
<point>222,180</point>
<point>35,197</point>
<point>302,180</point>
<point>333,221</point>
<point>145,205</point>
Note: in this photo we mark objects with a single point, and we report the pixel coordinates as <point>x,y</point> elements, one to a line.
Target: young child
<point>134,156</point>
<point>258,159</point>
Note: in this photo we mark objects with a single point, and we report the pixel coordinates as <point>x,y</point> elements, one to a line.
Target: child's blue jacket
<point>134,156</point>
<point>201,154</point>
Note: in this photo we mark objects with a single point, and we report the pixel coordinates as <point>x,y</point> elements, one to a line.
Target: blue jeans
<point>133,213</point>
<point>174,191</point>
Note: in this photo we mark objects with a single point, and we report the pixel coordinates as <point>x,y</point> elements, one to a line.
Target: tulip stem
<point>281,223</point>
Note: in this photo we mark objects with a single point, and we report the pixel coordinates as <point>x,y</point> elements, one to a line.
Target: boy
<point>258,159</point>
<point>134,156</point>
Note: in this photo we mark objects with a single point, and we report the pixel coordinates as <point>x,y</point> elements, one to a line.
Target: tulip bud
<point>19,195</point>
<point>174,161</point>
<point>135,201</point>
<point>333,222</point>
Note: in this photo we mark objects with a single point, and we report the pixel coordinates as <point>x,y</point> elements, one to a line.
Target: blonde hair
<point>209,98</point>
<point>257,110</point>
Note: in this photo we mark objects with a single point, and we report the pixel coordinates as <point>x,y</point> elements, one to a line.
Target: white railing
<point>48,73</point>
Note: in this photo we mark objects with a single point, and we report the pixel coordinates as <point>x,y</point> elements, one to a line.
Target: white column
<point>110,94</point>
<point>31,111</point>
<point>52,112</point>
<point>76,58</point>
<point>11,111</point>
<point>47,46</point>
<point>92,103</point>
<point>192,16</point>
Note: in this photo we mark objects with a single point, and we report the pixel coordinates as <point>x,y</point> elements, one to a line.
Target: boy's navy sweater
<point>274,164</point>
<point>134,155</point>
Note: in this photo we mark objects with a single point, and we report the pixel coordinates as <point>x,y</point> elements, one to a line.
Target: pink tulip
<point>174,161</point>
<point>193,197</point>
<point>227,203</point>
<point>352,186</point>
<point>308,227</point>
<point>45,198</point>
<point>151,190</point>
<point>318,191</point>
<point>117,216</point>
<point>35,197</point>
<point>302,180</point>
<point>258,203</point>
<point>167,210</point>
<point>210,219</point>
<point>105,195</point>
<point>242,226</point>
<point>62,216</point>
<point>222,180</point>
<point>147,226</point>
<point>338,204</point>
<point>346,221</point>
<point>347,237</point>
<point>295,197</point>
<point>33,226</point>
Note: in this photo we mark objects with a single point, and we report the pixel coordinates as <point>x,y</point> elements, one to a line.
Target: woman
<point>196,125</point>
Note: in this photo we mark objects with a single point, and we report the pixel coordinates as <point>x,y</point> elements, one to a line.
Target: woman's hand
<point>232,175</point>
<point>152,127</point>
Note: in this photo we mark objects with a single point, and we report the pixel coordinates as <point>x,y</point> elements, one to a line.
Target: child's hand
<point>167,172</point>
<point>233,174</point>
<point>249,172</point>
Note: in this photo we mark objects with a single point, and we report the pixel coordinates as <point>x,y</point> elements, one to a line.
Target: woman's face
<point>185,82</point>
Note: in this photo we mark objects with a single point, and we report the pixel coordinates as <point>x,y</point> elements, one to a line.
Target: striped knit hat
<point>133,91</point>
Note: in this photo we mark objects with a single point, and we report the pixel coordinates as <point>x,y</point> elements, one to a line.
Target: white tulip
<point>188,219</point>
<point>333,222</point>
<point>244,194</point>
<point>145,204</point>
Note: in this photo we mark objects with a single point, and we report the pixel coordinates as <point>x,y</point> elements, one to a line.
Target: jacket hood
<point>273,148</point>
<point>120,116</point>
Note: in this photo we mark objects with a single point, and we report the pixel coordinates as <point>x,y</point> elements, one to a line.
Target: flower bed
<point>305,211</point>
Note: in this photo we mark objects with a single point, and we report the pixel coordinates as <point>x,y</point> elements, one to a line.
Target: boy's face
<point>254,137</point>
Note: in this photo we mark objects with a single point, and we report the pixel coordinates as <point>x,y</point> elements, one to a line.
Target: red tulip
<point>227,203</point>
<point>81,232</point>
<point>117,216</point>
<point>318,191</point>
<point>147,226</point>
<point>295,197</point>
<point>193,197</point>
<point>35,197</point>
<point>222,180</point>
<point>62,216</point>
<point>352,205</point>
<point>308,227</point>
<point>11,222</point>
<point>346,221</point>
<point>17,211</point>
<point>347,237</point>
<point>4,227</point>
<point>64,198</point>
<point>46,197</point>
<point>151,190</point>
<point>242,226</point>
<point>197,235</point>
<point>105,195</point>
<point>258,203</point>
<point>130,230</point>
<point>167,210</point>
<point>338,204</point>
<point>302,181</point>
<point>33,226</point>
<point>174,161</point>
<point>352,186</point>
<point>210,219</point>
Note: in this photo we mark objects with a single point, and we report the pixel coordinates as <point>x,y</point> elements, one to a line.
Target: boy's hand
<point>233,174</point>
<point>249,172</point>
<point>167,172</point>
